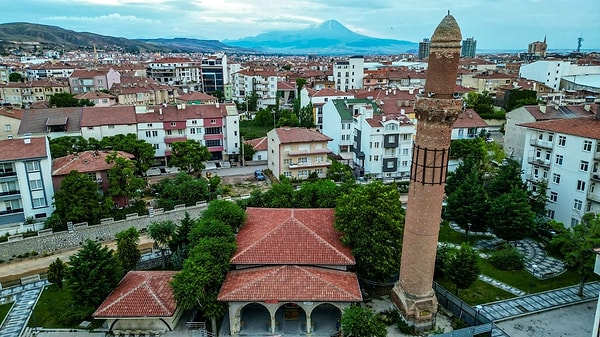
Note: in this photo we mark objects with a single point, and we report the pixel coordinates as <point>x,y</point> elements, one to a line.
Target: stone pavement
<point>25,298</point>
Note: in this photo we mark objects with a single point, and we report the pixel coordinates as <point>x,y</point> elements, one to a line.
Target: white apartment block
<point>319,99</point>
<point>349,74</point>
<point>550,72</point>
<point>565,153</point>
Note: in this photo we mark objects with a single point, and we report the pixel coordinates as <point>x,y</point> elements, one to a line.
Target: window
<point>587,145</point>
<point>556,178</point>
<point>550,137</point>
<point>213,121</point>
<point>148,134</point>
<point>149,125</point>
<point>559,159</point>
<point>212,131</point>
<point>169,132</point>
<point>405,163</point>
<point>180,131</point>
<point>580,185</point>
<point>287,174</point>
<point>36,184</point>
<point>562,140</point>
<point>155,146</point>
<point>584,165</point>
<point>287,161</point>
<point>154,133</point>
<point>302,160</point>
<point>405,152</point>
<point>578,205</point>
<point>376,158</point>
<point>553,196</point>
<point>173,123</point>
<point>550,214</point>
<point>111,126</point>
<point>33,166</point>
<point>303,173</point>
<point>38,202</point>
<point>405,136</point>
<point>7,127</point>
<point>192,131</point>
<point>194,122</point>
<point>540,136</point>
<point>319,171</point>
<point>213,142</point>
<point>376,145</point>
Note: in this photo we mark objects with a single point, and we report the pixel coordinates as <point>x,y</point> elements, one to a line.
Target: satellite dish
<point>456,95</point>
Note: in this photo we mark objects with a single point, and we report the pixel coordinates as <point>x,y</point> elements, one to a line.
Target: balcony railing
<point>11,211</point>
<point>596,176</point>
<point>593,196</point>
<point>538,161</point>
<point>8,174</point>
<point>3,193</point>
<point>310,164</point>
<point>540,143</point>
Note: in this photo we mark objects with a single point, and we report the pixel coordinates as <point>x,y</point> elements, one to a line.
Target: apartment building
<point>566,154</point>
<point>51,123</point>
<point>175,70</point>
<point>99,122</point>
<point>23,94</point>
<point>56,71</point>
<point>349,74</point>
<point>318,99</point>
<point>99,98</point>
<point>10,120</point>
<point>261,81</point>
<point>298,152</point>
<point>86,80</point>
<point>468,48</point>
<point>214,73</point>
<point>142,91</point>
<point>25,180</point>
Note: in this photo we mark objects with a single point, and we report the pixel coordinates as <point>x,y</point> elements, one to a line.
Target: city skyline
<point>513,26</point>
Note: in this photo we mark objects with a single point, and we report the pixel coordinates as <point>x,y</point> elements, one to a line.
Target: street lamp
<point>209,191</point>
<point>469,230</point>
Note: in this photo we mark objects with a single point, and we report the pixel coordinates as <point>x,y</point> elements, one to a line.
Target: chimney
<point>542,108</point>
<point>586,107</point>
<point>411,91</point>
<point>217,105</point>
<point>383,118</point>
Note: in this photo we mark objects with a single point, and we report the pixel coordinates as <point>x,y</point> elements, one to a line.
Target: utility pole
<point>243,160</point>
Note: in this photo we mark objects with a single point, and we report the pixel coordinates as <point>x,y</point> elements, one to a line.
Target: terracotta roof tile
<point>258,144</point>
<point>469,119</point>
<point>300,135</point>
<point>87,161</point>
<point>586,127</point>
<point>18,149</point>
<point>140,294</point>
<point>290,236</point>
<point>290,283</point>
<point>113,115</point>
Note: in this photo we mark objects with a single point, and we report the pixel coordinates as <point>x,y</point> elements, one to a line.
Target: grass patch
<point>249,130</point>
<point>448,234</point>
<point>478,293</point>
<point>4,309</point>
<point>53,304</point>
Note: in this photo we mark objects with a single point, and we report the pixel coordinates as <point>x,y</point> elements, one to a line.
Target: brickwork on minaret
<point>436,111</point>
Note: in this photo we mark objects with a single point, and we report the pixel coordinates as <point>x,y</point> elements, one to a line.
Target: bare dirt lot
<point>241,185</point>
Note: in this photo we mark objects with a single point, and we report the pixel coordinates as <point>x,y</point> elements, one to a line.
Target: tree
<point>62,146</point>
<point>226,211</point>
<point>57,271</point>
<point>510,216</point>
<point>371,220</point>
<point>161,233</point>
<point>183,189</point>
<point>127,248</point>
<point>122,179</point>
<point>93,273</point>
<point>199,282</point>
<point>279,196</point>
<point>249,151</point>
<point>577,244</point>
<point>15,77</point>
<point>474,148</point>
<point>142,150</point>
<point>189,155</point>
<point>505,178</point>
<point>305,116</point>
<point>321,193</point>
<point>180,238</point>
<point>359,321</point>
<point>210,228</point>
<point>65,99</point>
<point>462,269</point>
<point>467,205</point>
<point>78,200</point>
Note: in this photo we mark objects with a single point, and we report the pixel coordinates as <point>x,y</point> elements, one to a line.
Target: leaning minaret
<point>436,110</point>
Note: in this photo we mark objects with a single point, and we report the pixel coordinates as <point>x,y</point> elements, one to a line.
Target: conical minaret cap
<point>448,30</point>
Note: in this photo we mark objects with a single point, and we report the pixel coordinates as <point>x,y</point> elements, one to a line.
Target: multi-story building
<point>100,122</point>
<point>99,98</point>
<point>93,80</point>
<point>349,74</point>
<point>538,48</point>
<point>298,152</point>
<point>424,49</point>
<point>566,154</point>
<point>175,70</point>
<point>10,120</point>
<point>50,70</point>
<point>318,99</point>
<point>23,94</point>
<point>25,180</point>
<point>214,73</point>
<point>468,125</point>
<point>142,91</point>
<point>263,82</point>
<point>469,47</point>
<point>51,123</point>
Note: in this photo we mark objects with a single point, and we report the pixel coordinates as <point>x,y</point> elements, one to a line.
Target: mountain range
<point>328,38</point>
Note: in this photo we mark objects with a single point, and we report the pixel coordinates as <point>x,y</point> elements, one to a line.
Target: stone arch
<point>255,317</point>
<point>325,318</point>
<point>290,319</point>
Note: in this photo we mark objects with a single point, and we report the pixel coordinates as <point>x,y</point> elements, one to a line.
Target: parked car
<point>259,175</point>
<point>153,171</point>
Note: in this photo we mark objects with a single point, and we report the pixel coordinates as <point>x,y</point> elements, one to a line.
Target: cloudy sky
<point>495,24</point>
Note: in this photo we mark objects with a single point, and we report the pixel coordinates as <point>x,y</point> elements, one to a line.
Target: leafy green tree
<point>15,77</point>
<point>468,203</point>
<point>305,116</point>
<point>210,228</point>
<point>518,98</point>
<point>510,216</point>
<point>142,150</point>
<point>93,273</point>
<point>264,117</point>
<point>189,155</point>
<point>538,198</point>
<point>374,233</point>
<point>474,148</point>
<point>181,236</point>
<point>577,244</point>
<point>57,271</point>
<point>457,177</point>
<point>359,321</point>
<point>62,146</point>
<point>252,101</point>
<point>161,233</point>
<point>248,151</point>
<point>199,282</point>
<point>339,172</point>
<point>65,99</point>
<point>462,267</point>
<point>318,194</point>
<point>279,196</point>
<point>183,189</point>
<point>127,248</point>
<point>505,178</point>
<point>78,200</point>
<point>122,179</point>
<point>226,211</point>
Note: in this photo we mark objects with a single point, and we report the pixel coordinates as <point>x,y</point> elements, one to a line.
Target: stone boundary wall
<point>48,243</point>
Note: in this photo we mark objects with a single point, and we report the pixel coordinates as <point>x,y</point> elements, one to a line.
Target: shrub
<point>508,258</point>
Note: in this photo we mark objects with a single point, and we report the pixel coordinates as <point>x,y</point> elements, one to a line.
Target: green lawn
<point>447,234</point>
<point>53,304</point>
<point>4,309</point>
<point>478,293</point>
<point>251,131</point>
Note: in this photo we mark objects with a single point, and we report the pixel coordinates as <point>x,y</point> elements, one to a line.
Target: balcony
<point>538,161</point>
<point>595,176</point>
<point>597,155</point>
<point>593,196</point>
<point>309,164</point>
<point>308,152</point>
<point>11,211</point>
<point>540,143</point>
<point>12,192</point>
<point>8,174</point>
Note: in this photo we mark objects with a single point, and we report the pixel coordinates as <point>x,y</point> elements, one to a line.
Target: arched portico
<point>325,319</point>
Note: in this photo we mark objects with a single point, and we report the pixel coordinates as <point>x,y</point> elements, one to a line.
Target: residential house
<point>468,125</point>
<point>10,120</point>
<point>260,147</point>
<point>142,91</point>
<point>298,152</point>
<point>24,94</point>
<point>90,163</point>
<point>52,123</point>
<point>25,180</point>
<point>486,81</point>
<point>349,74</point>
<point>318,99</point>
<point>99,98</point>
<point>289,274</point>
<point>196,97</point>
<point>93,80</point>
<point>143,304</point>
<point>566,154</point>
<point>100,122</point>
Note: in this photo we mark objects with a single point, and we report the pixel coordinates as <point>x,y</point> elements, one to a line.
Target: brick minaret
<point>436,111</point>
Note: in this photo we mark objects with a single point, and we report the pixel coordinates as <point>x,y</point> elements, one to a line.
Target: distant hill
<point>56,37</point>
<point>328,38</point>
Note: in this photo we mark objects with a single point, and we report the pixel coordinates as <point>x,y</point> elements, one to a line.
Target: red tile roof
<point>586,127</point>
<point>469,119</point>
<point>290,236</point>
<point>18,149</point>
<point>300,135</point>
<point>140,294</point>
<point>84,162</point>
<point>258,144</point>
<point>196,96</point>
<point>290,283</point>
<point>114,115</point>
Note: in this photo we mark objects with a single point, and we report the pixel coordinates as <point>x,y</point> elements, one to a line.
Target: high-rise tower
<point>436,111</point>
